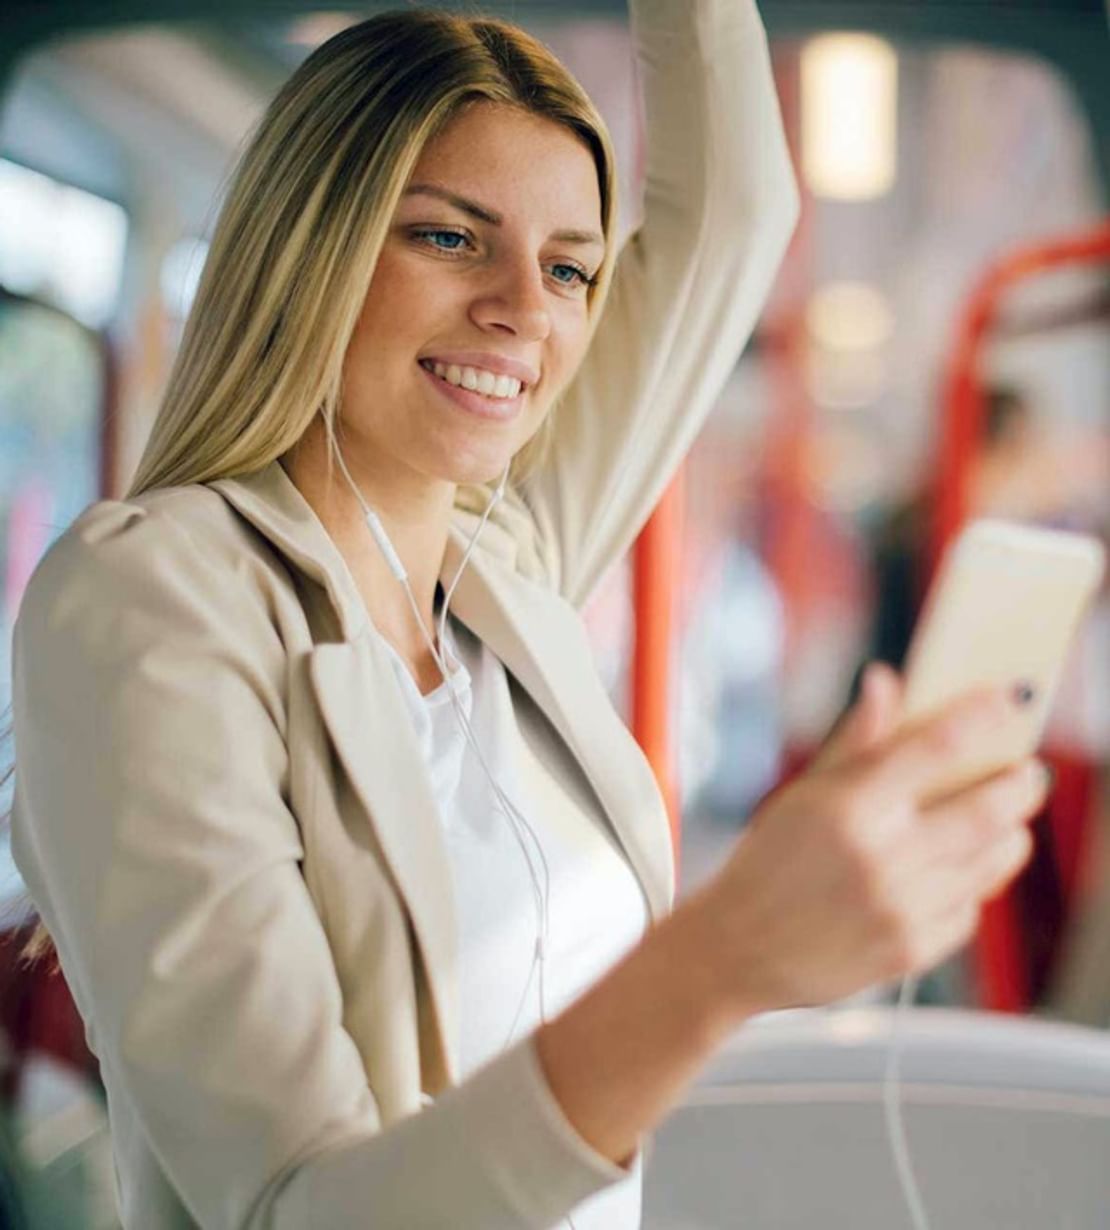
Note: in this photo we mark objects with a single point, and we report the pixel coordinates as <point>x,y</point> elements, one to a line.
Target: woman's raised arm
<point>719,207</point>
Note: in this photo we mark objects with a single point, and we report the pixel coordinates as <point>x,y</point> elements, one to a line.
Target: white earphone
<point>538,872</point>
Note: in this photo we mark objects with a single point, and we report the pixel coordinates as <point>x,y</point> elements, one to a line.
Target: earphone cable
<point>892,1104</point>
<point>516,820</point>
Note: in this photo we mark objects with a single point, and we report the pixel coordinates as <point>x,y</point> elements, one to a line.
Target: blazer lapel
<point>360,699</point>
<point>517,617</point>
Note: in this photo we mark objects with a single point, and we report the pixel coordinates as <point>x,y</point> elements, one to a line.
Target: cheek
<point>569,351</point>
<point>393,303</point>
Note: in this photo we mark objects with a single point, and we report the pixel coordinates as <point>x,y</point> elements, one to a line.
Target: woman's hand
<point>847,877</point>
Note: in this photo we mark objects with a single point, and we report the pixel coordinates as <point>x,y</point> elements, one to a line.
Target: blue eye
<point>433,237</point>
<point>578,277</point>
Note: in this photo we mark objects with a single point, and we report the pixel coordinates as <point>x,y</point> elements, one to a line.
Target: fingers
<point>964,826</point>
<point>951,932</point>
<point>973,847</point>
<point>873,716</point>
<point>947,908</point>
<point>884,688</point>
<point>917,758</point>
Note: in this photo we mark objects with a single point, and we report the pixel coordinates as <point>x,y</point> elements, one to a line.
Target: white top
<point>596,907</point>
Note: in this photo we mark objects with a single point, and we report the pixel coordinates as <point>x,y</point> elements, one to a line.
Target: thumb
<point>873,717</point>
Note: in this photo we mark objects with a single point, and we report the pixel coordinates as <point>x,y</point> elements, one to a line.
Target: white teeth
<point>476,379</point>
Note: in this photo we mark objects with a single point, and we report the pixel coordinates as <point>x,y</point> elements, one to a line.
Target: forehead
<point>512,159</point>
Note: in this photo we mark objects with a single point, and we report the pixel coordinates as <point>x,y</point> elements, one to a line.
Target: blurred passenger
<point>1013,475</point>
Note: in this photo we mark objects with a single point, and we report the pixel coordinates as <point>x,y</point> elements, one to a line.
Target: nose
<point>514,301</point>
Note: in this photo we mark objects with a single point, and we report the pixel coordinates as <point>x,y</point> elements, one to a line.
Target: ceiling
<point>1072,34</point>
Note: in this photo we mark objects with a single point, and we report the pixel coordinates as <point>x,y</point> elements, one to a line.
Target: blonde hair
<point>306,214</point>
<point>305,218</point>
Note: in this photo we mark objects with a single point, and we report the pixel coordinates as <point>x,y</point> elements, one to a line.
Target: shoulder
<point>173,559</point>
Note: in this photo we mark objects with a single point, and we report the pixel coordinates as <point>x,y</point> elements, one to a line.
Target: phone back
<point>1004,609</point>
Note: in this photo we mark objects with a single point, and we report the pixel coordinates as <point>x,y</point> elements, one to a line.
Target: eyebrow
<point>484,214</point>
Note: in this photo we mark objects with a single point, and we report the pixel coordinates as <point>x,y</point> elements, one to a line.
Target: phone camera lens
<point>1024,693</point>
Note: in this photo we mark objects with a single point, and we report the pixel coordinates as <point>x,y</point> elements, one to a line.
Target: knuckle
<point>850,823</point>
<point>1015,848</point>
<point>1006,860</point>
<point>866,872</point>
<point>1038,783</point>
<point>992,810</point>
<point>944,736</point>
<point>1022,847</point>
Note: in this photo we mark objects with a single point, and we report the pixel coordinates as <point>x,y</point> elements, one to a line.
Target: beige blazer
<point>221,809</point>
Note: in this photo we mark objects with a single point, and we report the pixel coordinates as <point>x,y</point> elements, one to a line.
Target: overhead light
<point>849,116</point>
<point>849,316</point>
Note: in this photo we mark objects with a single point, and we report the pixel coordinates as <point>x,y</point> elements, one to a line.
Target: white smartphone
<point>1004,608</point>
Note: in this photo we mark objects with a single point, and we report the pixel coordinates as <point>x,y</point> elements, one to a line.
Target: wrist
<point>723,969</point>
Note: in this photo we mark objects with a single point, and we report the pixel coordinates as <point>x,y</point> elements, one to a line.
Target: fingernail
<point>1023,693</point>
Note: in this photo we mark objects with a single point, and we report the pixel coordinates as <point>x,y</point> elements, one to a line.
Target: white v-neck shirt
<point>596,906</point>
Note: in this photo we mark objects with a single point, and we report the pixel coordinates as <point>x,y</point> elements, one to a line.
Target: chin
<point>469,470</point>
<point>479,475</point>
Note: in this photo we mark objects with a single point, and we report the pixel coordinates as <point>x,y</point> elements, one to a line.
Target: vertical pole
<point>656,578</point>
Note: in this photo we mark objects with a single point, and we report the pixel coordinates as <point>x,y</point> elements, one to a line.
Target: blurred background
<point>941,323</point>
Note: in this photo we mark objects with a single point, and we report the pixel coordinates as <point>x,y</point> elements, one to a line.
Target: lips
<point>486,360</point>
<point>477,380</point>
<point>495,410</point>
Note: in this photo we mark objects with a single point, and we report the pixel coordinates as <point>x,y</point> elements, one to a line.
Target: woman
<point>337,973</point>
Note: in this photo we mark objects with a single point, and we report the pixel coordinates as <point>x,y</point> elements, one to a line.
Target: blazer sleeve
<point>152,828</point>
<point>719,207</point>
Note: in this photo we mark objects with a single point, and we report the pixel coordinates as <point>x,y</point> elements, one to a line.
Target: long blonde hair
<point>305,218</point>
<point>306,214</point>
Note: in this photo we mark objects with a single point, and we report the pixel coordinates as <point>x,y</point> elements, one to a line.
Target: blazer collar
<point>515,617</point>
<point>270,501</point>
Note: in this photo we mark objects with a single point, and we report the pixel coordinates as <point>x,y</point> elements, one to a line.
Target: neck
<point>416,514</point>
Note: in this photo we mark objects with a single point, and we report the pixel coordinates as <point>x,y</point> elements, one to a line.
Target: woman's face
<point>481,281</point>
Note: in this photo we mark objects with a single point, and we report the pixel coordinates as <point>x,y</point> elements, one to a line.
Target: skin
<point>846,877</point>
<point>513,289</point>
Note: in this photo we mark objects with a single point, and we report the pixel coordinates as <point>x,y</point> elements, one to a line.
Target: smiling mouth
<point>475,380</point>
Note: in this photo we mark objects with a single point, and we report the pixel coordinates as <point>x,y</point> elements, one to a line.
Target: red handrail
<point>656,580</point>
<point>1000,972</point>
